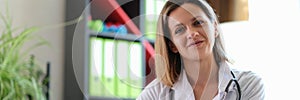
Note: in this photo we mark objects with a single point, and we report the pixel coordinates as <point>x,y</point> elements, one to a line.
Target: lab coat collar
<point>224,77</point>
<point>186,89</point>
<point>183,86</point>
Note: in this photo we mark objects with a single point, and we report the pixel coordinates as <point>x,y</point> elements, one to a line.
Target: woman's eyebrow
<point>179,24</point>
<point>176,24</point>
<point>195,18</point>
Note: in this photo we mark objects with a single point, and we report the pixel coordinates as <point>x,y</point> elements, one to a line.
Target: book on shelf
<point>115,68</point>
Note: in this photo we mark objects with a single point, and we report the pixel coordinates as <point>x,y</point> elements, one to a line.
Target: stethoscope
<point>237,85</point>
<point>226,89</point>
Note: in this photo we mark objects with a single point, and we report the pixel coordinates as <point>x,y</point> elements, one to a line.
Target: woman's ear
<point>173,47</point>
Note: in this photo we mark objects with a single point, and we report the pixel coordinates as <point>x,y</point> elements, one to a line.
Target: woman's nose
<point>192,33</point>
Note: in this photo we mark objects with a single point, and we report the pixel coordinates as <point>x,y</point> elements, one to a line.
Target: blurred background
<point>88,60</point>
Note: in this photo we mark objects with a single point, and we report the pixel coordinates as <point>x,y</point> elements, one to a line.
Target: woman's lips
<point>196,43</point>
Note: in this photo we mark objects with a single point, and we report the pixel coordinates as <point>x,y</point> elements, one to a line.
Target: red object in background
<point>108,24</point>
<point>110,10</point>
<point>118,24</point>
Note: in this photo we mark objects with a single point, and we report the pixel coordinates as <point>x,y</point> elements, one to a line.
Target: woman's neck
<point>202,72</point>
<point>203,77</point>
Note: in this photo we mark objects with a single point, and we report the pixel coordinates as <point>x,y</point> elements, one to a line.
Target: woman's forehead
<point>192,9</point>
<point>185,13</point>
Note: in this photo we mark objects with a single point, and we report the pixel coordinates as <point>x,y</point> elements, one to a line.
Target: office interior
<point>103,49</point>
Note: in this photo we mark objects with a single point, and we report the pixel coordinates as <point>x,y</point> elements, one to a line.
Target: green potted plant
<point>20,77</point>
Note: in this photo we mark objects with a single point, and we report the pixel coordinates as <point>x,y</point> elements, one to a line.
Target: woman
<point>191,62</point>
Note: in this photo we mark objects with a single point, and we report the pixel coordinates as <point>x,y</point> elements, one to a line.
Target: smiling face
<point>192,32</point>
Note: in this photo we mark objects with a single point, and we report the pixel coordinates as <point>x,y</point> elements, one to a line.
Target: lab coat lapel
<point>182,88</point>
<point>224,78</point>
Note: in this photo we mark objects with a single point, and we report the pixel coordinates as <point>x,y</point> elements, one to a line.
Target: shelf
<point>111,10</point>
<point>128,37</point>
<point>78,52</point>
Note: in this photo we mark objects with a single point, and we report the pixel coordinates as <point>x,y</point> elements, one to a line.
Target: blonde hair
<point>168,64</point>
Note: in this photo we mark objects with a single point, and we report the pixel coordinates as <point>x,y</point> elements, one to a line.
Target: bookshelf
<point>80,43</point>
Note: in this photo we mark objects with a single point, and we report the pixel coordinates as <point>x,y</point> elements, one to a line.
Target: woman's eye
<point>179,30</point>
<point>198,23</point>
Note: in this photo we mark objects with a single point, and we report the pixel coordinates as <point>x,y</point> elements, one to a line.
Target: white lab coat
<point>251,84</point>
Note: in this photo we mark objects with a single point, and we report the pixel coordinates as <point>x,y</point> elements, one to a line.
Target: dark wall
<point>74,9</point>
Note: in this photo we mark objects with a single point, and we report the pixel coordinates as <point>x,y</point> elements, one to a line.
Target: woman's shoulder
<point>153,90</point>
<point>155,84</point>
<point>246,75</point>
<point>251,83</point>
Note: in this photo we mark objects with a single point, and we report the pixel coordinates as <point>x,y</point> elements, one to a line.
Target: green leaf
<point>18,77</point>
